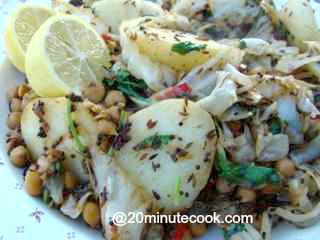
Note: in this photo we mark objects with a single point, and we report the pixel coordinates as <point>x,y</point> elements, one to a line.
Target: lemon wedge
<point>20,28</point>
<point>65,55</point>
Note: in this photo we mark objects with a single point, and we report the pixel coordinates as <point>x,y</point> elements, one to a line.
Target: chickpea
<point>16,105</point>
<point>286,167</point>
<point>12,93</point>
<point>20,156</point>
<point>198,229</point>
<point>114,114</point>
<point>246,195</point>
<point>13,120</point>
<point>22,90</point>
<point>33,183</point>
<point>95,92</point>
<point>224,186</point>
<point>91,214</point>
<point>107,127</point>
<point>13,141</point>
<point>70,181</point>
<point>115,98</point>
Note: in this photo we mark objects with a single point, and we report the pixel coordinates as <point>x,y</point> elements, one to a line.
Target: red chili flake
<point>180,231</point>
<point>106,37</point>
<point>182,89</point>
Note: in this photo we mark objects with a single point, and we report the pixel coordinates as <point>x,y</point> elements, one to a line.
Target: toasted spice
<point>156,195</point>
<point>153,156</point>
<point>151,124</point>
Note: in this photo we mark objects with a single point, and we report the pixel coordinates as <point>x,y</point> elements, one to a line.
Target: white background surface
<point>23,217</point>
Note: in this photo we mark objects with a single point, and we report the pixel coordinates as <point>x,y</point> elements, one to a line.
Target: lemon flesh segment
<point>65,56</point>
<point>20,28</point>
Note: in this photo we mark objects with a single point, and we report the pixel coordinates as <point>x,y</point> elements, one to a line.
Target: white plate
<point>25,218</point>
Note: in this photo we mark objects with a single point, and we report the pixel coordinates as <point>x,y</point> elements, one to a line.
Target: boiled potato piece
<point>118,193</point>
<point>55,115</point>
<point>113,12</point>
<point>299,18</point>
<point>176,172</point>
<point>157,43</point>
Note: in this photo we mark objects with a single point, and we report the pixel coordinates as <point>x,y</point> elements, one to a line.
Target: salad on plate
<point>169,106</point>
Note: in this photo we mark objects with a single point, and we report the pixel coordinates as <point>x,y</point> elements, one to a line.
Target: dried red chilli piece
<point>180,90</point>
<point>180,230</point>
<point>106,37</point>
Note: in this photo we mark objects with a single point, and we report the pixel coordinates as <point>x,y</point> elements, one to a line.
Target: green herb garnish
<point>233,229</point>
<point>73,130</point>
<point>184,48</point>
<point>242,44</point>
<point>275,126</point>
<point>45,196</point>
<point>178,190</point>
<point>256,20</point>
<point>245,174</point>
<point>58,167</point>
<point>123,119</point>
<point>317,98</point>
<point>110,151</point>
<point>154,142</point>
<point>128,85</point>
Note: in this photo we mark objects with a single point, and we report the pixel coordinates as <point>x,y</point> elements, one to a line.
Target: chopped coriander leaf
<point>245,174</point>
<point>128,85</point>
<point>155,142</point>
<point>233,229</point>
<point>45,196</point>
<point>184,48</point>
<point>73,130</point>
<point>178,190</point>
<point>242,44</point>
<point>317,98</point>
<point>256,20</point>
<point>58,167</point>
<point>110,152</point>
<point>275,126</point>
<point>207,13</point>
<point>123,119</point>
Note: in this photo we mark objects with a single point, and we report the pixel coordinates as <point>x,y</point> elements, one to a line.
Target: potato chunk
<point>55,116</point>
<point>175,172</point>
<point>157,44</point>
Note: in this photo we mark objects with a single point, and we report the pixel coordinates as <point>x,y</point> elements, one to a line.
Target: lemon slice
<point>20,28</point>
<point>65,55</point>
